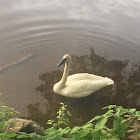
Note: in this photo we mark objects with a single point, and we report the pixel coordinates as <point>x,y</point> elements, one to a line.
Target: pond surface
<point>103,38</point>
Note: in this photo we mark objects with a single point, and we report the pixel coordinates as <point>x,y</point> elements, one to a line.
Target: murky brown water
<point>100,35</point>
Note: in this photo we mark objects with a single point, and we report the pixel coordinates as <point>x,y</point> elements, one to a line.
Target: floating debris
<point>16,62</point>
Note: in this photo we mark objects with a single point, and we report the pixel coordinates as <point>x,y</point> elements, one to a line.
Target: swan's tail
<point>109,81</point>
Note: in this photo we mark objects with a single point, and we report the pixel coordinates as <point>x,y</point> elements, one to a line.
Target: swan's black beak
<point>62,62</point>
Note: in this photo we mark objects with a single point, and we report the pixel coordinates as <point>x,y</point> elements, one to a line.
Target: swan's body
<point>79,85</point>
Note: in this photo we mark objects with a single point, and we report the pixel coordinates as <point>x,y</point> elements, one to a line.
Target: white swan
<point>79,85</point>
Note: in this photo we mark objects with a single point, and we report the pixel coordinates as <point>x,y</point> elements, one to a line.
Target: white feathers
<point>79,85</point>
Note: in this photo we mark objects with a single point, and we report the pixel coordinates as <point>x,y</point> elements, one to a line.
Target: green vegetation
<point>116,124</point>
<point>5,114</point>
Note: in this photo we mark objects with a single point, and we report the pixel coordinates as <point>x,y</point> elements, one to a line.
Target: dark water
<point>103,38</point>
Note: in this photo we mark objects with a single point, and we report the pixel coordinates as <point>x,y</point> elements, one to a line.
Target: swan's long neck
<point>65,73</point>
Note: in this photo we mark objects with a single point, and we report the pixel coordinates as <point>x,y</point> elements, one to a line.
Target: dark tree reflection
<point>124,92</point>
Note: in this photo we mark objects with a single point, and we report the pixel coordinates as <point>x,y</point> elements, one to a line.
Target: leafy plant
<point>5,114</point>
<point>133,125</point>
<point>120,125</point>
<point>125,123</point>
<point>62,118</point>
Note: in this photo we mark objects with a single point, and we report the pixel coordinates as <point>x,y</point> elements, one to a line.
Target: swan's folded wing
<point>84,88</point>
<point>84,76</point>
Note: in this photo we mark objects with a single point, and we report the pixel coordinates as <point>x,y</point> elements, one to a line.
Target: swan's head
<point>66,59</point>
